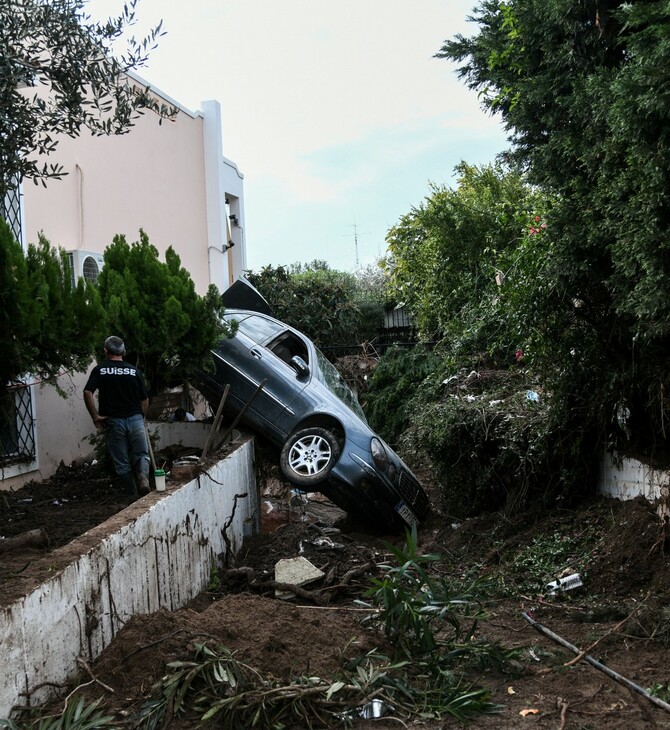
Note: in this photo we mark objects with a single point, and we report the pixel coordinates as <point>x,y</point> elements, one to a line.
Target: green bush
<point>496,442</point>
<point>168,328</point>
<point>46,324</point>
<point>393,386</point>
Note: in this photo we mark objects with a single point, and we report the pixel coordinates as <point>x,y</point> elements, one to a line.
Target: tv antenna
<point>355,227</point>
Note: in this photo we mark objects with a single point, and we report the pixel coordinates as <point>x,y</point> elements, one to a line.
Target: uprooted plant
<point>76,715</point>
<point>430,620</point>
<point>216,685</point>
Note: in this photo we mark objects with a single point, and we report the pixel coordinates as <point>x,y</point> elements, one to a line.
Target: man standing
<point>123,402</point>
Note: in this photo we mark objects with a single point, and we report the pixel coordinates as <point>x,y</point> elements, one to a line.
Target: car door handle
<point>255,352</point>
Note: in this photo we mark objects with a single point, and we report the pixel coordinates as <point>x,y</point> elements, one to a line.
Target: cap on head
<point>115,346</point>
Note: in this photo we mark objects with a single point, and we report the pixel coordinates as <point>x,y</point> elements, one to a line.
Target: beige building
<point>169,179</point>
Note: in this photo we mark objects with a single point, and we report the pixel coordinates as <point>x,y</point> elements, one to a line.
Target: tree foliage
<point>325,304</point>
<point>453,256</point>
<point>476,264</point>
<point>392,392</point>
<point>58,75</point>
<point>582,89</point>
<point>154,307</point>
<point>498,441</point>
<point>46,324</point>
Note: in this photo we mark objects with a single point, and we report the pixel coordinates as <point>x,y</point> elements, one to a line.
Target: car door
<point>250,359</point>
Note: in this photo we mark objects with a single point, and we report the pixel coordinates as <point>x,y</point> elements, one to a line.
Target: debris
<point>31,539</point>
<point>321,543</point>
<point>297,498</point>
<point>569,583</point>
<point>370,711</point>
<point>296,571</point>
<point>215,423</point>
<point>324,529</point>
<point>185,468</point>
<point>525,713</point>
<point>374,709</point>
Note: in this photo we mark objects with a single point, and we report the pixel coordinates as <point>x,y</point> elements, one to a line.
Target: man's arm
<point>98,420</point>
<point>144,405</point>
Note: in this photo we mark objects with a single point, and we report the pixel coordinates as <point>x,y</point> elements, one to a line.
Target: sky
<point>336,113</point>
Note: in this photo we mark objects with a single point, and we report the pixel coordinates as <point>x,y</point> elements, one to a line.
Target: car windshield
<point>336,385</point>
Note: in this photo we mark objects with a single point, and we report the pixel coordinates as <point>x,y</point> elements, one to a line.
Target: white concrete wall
<point>62,429</point>
<point>160,557</point>
<point>183,433</point>
<point>629,478</point>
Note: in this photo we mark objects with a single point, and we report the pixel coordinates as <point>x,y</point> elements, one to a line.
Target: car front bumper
<point>365,485</point>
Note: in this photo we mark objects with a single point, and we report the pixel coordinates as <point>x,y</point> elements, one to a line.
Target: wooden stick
<point>84,665</point>
<point>216,422</point>
<point>260,387</point>
<point>151,451</point>
<point>563,707</point>
<point>595,663</point>
<point>339,608</point>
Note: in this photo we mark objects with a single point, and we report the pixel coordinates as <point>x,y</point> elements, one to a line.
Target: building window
<point>17,433</point>
<point>10,210</point>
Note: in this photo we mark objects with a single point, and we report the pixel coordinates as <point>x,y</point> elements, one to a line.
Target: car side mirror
<point>300,366</point>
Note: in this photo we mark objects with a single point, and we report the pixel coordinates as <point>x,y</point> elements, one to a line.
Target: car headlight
<point>379,454</point>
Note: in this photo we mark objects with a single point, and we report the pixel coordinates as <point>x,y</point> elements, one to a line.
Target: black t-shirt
<point>121,387</point>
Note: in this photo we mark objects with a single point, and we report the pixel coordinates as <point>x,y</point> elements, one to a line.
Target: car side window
<point>259,329</point>
<point>288,345</point>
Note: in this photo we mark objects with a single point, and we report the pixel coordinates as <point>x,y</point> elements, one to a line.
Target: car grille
<point>412,493</point>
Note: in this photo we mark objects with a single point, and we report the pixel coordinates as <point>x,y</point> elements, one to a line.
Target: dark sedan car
<point>290,393</point>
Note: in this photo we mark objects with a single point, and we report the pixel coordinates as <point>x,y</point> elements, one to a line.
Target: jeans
<point>127,445</point>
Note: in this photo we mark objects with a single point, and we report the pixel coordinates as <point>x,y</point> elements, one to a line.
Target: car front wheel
<point>309,455</point>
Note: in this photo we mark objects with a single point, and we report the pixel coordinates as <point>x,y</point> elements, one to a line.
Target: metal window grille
<point>10,210</point>
<point>17,432</point>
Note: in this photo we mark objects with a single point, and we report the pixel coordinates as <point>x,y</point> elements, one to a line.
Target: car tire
<point>308,456</point>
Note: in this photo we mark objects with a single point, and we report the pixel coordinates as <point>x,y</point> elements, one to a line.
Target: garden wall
<point>155,554</point>
<point>628,478</point>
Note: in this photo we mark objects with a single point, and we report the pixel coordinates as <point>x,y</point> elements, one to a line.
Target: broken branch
<point>84,665</point>
<point>595,663</point>
<point>32,538</point>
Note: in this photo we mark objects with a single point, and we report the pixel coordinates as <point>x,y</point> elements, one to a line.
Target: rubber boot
<point>142,479</point>
<point>129,487</point>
